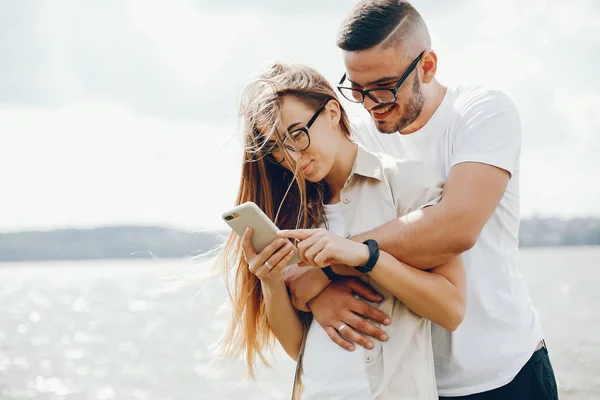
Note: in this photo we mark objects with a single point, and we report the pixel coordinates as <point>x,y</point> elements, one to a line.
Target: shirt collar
<point>367,164</point>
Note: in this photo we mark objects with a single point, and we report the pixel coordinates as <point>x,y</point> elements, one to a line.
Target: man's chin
<point>385,126</point>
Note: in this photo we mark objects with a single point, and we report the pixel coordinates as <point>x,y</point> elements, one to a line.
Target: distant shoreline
<point>143,242</point>
<point>184,261</point>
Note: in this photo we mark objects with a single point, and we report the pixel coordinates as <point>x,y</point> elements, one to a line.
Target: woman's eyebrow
<point>292,126</point>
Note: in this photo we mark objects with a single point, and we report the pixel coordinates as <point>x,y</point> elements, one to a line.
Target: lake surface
<point>143,330</point>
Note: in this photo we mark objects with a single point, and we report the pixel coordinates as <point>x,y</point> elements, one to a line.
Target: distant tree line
<point>106,243</point>
<point>144,242</point>
<point>558,232</point>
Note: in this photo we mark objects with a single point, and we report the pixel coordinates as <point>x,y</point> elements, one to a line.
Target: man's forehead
<point>370,66</point>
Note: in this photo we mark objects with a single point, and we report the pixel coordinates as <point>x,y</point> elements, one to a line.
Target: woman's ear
<point>333,109</point>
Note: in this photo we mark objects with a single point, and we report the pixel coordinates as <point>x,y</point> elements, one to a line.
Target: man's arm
<point>427,238</point>
<point>485,152</point>
<point>431,237</point>
<point>439,295</point>
<point>424,239</point>
<point>304,284</point>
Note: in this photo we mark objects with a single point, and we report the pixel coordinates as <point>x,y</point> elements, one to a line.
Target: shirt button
<point>369,359</point>
<point>346,200</point>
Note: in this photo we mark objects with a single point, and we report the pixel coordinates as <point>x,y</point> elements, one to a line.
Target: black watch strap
<point>330,273</point>
<point>373,257</point>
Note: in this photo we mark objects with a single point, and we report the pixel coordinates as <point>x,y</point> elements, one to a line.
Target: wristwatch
<point>373,257</point>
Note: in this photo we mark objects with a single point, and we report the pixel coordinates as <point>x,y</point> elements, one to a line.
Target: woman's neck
<point>341,169</point>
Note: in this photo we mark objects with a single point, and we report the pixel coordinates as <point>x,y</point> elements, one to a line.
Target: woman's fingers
<point>281,253</point>
<point>300,234</point>
<point>306,244</point>
<point>247,248</point>
<point>314,251</point>
<point>323,259</point>
<point>268,251</point>
<point>277,262</point>
<point>284,261</point>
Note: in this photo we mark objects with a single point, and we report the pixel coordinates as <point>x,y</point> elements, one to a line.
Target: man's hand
<point>336,305</point>
<point>305,284</point>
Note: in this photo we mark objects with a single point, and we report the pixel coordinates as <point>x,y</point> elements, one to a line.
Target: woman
<point>302,168</point>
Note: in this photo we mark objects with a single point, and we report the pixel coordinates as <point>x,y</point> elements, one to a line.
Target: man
<point>472,136</point>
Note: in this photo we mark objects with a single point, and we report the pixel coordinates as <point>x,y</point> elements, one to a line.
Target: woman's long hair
<point>285,196</point>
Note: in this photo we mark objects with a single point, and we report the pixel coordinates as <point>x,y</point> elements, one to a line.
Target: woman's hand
<point>267,265</point>
<point>321,248</point>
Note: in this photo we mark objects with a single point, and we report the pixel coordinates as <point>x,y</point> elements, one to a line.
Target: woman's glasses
<point>298,140</point>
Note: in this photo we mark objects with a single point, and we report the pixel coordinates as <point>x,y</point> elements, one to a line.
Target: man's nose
<point>368,103</point>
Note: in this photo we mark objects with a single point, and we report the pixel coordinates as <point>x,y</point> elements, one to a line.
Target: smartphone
<point>264,231</point>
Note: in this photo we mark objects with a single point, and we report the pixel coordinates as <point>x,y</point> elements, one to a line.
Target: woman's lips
<point>305,168</point>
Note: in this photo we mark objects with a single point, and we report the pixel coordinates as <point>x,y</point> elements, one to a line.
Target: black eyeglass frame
<point>367,92</point>
<point>295,133</point>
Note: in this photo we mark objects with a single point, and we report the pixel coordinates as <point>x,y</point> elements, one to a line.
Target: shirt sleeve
<point>490,132</point>
<point>414,185</point>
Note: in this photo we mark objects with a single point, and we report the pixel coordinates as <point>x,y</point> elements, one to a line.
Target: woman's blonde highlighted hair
<point>285,196</point>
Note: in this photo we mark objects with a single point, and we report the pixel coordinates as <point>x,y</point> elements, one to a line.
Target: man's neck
<point>434,94</point>
<point>342,167</point>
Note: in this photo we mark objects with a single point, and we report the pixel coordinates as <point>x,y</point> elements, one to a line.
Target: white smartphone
<point>264,231</point>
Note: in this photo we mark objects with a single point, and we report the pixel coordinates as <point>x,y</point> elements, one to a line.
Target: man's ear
<point>429,66</point>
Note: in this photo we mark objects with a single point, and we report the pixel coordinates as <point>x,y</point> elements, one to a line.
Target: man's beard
<point>410,111</point>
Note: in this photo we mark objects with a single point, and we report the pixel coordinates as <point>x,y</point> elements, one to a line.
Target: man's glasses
<point>296,141</point>
<point>381,96</point>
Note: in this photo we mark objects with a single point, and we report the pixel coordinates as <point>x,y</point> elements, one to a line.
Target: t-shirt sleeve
<point>490,132</point>
<point>414,185</point>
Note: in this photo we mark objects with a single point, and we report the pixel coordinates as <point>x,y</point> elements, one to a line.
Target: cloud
<point>177,61</point>
<point>156,59</point>
<point>120,110</point>
<point>306,7</point>
<point>101,163</point>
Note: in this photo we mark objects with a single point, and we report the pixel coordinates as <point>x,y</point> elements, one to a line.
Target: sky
<point>125,111</point>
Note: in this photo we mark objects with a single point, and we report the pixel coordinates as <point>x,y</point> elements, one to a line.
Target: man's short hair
<point>373,22</point>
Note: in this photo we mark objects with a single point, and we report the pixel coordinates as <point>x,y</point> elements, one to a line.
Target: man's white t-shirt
<point>501,328</point>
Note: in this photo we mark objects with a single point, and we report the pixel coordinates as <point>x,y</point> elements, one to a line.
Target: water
<point>139,330</point>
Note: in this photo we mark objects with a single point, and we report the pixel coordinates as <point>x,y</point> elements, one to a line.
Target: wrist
<point>363,255</point>
<point>330,273</point>
<point>273,285</point>
<point>373,250</point>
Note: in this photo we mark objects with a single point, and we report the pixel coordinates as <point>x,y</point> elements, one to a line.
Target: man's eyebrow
<point>380,80</point>
<point>292,126</point>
